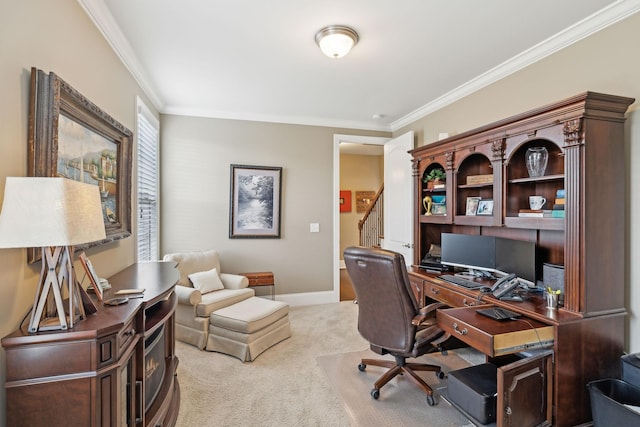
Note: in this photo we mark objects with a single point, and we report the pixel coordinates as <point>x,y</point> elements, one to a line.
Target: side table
<point>262,278</point>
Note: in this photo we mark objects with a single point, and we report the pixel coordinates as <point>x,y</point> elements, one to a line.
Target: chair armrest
<point>427,315</point>
<point>188,296</point>
<point>234,281</point>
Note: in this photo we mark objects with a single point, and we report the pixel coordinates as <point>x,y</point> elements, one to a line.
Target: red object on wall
<point>345,201</point>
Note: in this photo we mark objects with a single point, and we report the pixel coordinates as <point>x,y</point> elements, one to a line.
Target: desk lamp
<point>53,214</point>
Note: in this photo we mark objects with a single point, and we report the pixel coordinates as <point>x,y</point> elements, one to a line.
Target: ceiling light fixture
<point>336,41</point>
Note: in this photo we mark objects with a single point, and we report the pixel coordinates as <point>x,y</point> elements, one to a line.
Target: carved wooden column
<point>574,220</point>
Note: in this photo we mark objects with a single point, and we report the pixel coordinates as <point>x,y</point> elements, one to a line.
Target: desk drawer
<point>125,336</point>
<point>492,337</point>
<point>447,296</point>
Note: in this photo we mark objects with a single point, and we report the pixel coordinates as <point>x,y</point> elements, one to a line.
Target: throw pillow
<point>206,281</point>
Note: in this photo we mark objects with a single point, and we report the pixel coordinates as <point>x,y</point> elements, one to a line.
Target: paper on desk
<point>633,408</point>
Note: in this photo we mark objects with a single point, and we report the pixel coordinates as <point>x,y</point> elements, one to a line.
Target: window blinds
<point>148,136</point>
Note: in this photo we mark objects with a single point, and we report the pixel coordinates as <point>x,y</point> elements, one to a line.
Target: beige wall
<point>608,62</point>
<point>53,36</point>
<point>196,155</point>
<point>357,173</point>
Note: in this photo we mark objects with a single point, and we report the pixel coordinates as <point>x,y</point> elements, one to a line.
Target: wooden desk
<point>581,349</point>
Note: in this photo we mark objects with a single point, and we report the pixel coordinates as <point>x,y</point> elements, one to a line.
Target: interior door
<point>398,196</point>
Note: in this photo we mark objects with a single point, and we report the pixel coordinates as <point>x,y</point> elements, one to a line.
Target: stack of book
<point>535,213</point>
<point>558,205</point>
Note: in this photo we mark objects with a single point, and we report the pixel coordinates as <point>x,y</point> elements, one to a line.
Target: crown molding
<point>292,120</point>
<point>103,20</point>
<point>604,18</point>
<point>590,25</point>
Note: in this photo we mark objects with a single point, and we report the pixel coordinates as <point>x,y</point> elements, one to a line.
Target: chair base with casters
<point>400,367</point>
<point>428,334</point>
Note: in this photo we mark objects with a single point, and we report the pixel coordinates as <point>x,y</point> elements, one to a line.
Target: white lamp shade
<point>40,212</point>
<point>336,41</point>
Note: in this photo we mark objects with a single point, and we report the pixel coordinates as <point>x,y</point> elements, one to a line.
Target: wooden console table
<point>103,372</point>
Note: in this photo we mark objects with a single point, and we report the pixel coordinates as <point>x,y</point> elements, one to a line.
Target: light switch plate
<point>314,227</point>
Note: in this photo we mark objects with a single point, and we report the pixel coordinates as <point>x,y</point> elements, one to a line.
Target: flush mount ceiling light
<point>336,41</point>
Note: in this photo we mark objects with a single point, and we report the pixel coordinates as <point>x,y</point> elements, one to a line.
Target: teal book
<point>557,214</point>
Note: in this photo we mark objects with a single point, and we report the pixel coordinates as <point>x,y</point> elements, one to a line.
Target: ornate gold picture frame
<point>70,136</point>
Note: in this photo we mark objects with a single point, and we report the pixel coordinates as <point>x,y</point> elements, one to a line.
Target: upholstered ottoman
<point>249,327</point>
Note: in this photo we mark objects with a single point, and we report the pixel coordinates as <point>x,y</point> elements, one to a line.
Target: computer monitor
<point>489,253</point>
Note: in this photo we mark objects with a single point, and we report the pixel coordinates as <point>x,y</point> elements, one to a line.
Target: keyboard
<point>499,313</point>
<point>465,283</point>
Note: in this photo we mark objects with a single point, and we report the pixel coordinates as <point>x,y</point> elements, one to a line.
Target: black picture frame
<point>69,132</point>
<point>485,207</point>
<point>255,202</point>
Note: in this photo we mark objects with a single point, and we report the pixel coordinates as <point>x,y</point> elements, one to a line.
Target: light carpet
<point>295,382</point>
<point>401,403</point>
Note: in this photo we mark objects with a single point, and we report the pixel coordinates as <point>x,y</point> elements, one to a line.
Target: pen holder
<point>552,299</point>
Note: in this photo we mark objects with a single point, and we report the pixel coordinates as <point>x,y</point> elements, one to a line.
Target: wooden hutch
<point>115,368</point>
<point>584,137</point>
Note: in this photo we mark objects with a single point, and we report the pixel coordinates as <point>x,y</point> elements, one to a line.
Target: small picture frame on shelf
<point>485,207</point>
<point>439,209</point>
<point>472,205</point>
<point>92,275</point>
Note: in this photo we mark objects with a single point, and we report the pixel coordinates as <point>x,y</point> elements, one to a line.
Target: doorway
<point>354,144</point>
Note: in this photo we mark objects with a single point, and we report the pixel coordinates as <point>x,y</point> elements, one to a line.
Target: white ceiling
<point>257,59</point>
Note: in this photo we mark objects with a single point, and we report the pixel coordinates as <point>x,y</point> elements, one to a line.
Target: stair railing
<point>370,227</point>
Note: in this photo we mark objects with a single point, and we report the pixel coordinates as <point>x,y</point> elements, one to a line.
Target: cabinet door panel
<point>63,403</point>
<point>525,392</point>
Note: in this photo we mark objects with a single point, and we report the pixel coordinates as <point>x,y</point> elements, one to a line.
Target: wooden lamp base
<point>48,313</point>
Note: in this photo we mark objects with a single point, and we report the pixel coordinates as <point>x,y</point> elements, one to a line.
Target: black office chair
<point>389,316</point>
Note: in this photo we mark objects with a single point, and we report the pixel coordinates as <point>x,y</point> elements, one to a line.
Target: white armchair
<point>202,290</point>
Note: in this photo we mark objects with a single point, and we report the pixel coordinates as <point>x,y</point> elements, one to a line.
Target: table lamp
<point>53,214</point>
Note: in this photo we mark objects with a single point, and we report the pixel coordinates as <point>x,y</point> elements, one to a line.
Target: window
<point>147,146</point>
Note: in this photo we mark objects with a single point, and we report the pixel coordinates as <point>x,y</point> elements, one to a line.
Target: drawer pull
<point>130,333</point>
<point>467,303</point>
<point>435,291</point>
<point>458,331</point>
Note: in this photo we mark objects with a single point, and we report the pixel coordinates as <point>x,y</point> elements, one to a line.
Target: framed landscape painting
<point>254,206</point>
<point>71,137</point>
